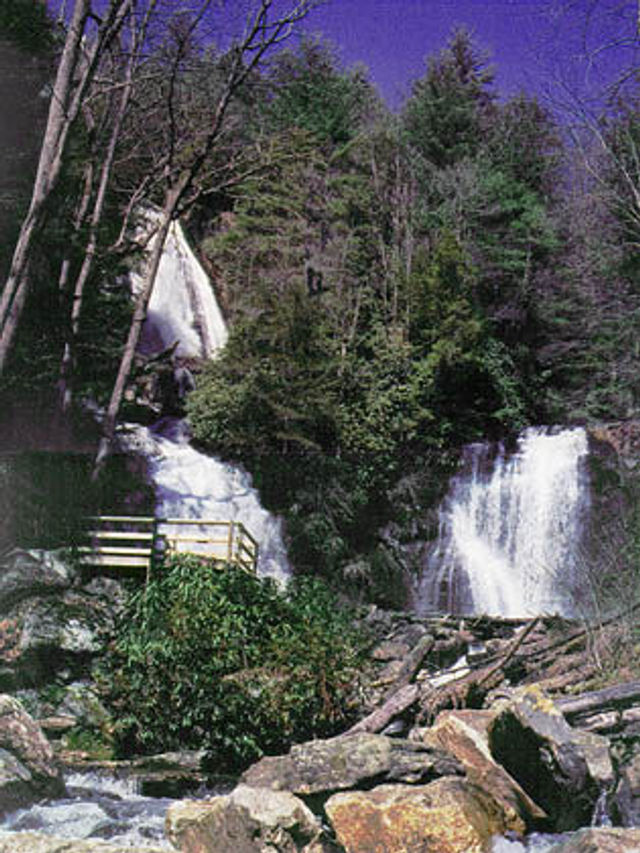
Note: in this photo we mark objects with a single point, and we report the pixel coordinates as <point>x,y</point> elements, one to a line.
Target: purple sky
<point>529,40</point>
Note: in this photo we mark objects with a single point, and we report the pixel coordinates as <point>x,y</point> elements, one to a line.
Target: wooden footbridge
<point>136,542</point>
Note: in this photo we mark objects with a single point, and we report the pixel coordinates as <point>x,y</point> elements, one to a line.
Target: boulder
<point>247,820</point>
<point>355,761</point>
<point>625,800</point>
<point>464,734</point>
<point>38,842</point>
<point>447,816</point>
<point>562,769</point>
<point>605,840</point>
<point>57,632</point>
<point>27,767</point>
<point>29,573</point>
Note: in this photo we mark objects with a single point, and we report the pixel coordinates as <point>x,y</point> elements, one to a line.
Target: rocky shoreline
<point>469,729</point>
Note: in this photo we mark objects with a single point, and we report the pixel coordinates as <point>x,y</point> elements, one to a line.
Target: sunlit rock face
<point>511,529</point>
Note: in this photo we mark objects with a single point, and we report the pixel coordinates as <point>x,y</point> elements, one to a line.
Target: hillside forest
<point>396,283</point>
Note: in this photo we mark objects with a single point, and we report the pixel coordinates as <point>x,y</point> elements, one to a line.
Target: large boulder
<point>38,842</point>
<point>247,820</point>
<point>28,770</point>
<point>359,760</point>
<point>562,769</point>
<point>52,622</point>
<point>57,632</point>
<point>464,734</point>
<point>32,573</point>
<point>605,840</point>
<point>447,816</point>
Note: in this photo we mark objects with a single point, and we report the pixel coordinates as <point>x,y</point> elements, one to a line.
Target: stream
<point>97,806</point>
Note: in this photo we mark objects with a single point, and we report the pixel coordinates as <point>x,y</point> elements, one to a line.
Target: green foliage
<point>308,91</point>
<point>227,662</point>
<point>445,114</point>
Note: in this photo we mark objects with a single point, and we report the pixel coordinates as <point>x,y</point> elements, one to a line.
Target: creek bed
<point>98,806</point>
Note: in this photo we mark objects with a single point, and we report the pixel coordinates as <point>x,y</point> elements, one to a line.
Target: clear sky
<point>530,40</point>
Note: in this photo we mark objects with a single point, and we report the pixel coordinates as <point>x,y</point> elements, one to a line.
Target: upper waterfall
<point>510,528</point>
<point>183,308</point>
<point>188,483</point>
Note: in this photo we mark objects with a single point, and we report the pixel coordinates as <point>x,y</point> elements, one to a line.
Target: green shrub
<point>227,662</point>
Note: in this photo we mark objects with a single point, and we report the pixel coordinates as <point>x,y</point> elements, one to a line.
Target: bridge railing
<point>129,541</point>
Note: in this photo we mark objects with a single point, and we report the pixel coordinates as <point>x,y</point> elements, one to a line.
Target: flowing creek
<point>99,807</point>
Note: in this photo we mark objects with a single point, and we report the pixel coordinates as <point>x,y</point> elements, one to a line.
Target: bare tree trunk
<point>75,73</point>
<point>68,357</point>
<point>139,315</point>
<point>15,291</point>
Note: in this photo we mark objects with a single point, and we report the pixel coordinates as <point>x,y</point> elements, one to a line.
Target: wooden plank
<point>202,539</point>
<point>105,549</point>
<point>246,533</point>
<point>119,534</point>
<point>116,561</point>
<point>208,521</point>
<point>137,519</point>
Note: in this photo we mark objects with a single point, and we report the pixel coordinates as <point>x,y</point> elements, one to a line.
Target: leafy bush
<point>227,662</point>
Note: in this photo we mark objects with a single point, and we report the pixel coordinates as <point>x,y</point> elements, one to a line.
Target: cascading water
<point>97,807</point>
<point>510,529</point>
<point>189,484</point>
<point>183,308</point>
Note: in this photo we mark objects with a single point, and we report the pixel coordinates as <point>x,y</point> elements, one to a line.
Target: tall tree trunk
<point>75,73</point>
<point>68,357</point>
<point>49,164</point>
<point>172,199</point>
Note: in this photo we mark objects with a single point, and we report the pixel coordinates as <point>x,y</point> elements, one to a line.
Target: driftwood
<point>489,673</point>
<point>393,707</point>
<point>616,698</point>
<point>411,665</point>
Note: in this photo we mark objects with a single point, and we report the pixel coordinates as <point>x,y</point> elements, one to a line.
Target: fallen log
<point>395,705</point>
<point>411,665</point>
<point>615,698</point>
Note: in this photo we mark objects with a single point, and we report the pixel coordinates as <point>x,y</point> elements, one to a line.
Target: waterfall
<point>183,307</point>
<point>510,529</point>
<point>188,483</point>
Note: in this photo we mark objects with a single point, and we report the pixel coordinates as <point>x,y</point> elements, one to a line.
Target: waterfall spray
<point>510,528</point>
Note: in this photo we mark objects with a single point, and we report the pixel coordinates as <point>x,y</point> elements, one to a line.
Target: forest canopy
<point>396,283</point>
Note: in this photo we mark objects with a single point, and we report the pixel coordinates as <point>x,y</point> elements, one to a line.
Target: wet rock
<point>28,770</point>
<point>37,842</point>
<point>32,573</point>
<point>605,840</point>
<point>81,701</point>
<point>246,821</point>
<point>446,816</point>
<point>562,769</point>
<point>625,801</point>
<point>464,734</point>
<point>359,760</point>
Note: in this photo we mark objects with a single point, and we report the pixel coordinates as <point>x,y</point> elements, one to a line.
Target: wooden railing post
<point>230,543</point>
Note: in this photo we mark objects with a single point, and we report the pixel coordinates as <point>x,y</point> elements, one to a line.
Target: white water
<point>510,529</point>
<point>188,483</point>
<point>183,307</point>
<point>100,807</point>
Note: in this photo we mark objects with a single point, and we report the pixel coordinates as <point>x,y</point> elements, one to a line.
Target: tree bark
<point>66,102</point>
<point>139,315</point>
